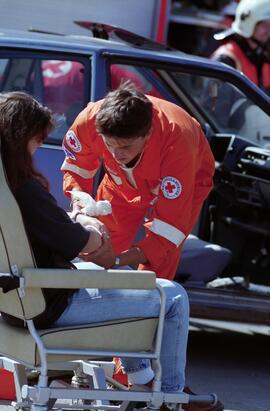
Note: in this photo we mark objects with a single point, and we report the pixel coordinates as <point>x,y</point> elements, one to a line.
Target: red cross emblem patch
<point>73,142</point>
<point>171,187</point>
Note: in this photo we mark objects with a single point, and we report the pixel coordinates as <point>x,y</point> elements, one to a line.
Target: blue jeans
<point>95,305</point>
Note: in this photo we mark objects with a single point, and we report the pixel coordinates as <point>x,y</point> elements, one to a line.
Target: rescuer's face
<point>124,150</point>
<point>262,31</point>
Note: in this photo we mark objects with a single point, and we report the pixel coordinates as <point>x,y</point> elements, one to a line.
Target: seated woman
<point>56,240</point>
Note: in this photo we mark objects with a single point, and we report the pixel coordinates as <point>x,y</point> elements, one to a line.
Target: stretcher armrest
<point>66,278</point>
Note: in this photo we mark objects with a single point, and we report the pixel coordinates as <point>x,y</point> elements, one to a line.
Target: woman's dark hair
<point>124,113</point>
<point>21,119</point>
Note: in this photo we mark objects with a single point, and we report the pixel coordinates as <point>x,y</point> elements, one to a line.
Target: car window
<point>209,99</point>
<point>59,84</point>
<point>120,72</point>
<point>145,79</point>
<point>3,64</point>
<point>227,107</point>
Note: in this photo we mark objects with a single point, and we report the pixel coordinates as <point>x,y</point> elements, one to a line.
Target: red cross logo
<point>170,187</point>
<point>73,142</point>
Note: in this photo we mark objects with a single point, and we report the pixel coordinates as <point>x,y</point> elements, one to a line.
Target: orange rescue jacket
<point>166,189</point>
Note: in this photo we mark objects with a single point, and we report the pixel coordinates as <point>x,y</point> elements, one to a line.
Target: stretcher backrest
<point>15,254</point>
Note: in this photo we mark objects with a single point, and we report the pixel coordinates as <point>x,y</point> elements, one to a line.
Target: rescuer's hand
<point>104,256</point>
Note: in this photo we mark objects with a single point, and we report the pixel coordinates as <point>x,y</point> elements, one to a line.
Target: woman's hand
<point>104,256</point>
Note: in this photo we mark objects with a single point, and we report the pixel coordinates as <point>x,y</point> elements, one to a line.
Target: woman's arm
<point>94,242</point>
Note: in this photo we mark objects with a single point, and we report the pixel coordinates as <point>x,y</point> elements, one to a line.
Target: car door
<point>235,117</point>
<point>237,212</point>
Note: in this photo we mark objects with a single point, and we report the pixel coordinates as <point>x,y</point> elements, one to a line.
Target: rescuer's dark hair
<point>124,113</point>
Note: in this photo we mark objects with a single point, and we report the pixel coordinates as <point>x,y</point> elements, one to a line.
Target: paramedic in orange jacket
<point>159,170</point>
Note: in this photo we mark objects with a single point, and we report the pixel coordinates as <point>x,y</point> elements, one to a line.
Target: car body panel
<point>52,171</point>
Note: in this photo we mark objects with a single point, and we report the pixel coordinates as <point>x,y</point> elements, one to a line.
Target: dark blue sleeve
<point>47,223</point>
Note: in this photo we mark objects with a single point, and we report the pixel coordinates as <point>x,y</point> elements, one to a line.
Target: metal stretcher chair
<point>70,348</point>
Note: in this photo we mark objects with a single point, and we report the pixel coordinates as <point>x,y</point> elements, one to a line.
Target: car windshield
<point>226,107</point>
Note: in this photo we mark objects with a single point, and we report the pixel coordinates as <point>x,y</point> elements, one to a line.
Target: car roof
<point>83,44</point>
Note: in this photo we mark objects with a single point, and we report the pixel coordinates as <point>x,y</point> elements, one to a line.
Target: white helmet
<point>248,14</point>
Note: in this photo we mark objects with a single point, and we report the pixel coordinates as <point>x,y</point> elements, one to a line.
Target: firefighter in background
<point>247,42</point>
<point>159,170</point>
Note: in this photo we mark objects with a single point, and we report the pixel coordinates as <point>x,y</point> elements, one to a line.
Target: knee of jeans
<point>184,295</point>
<point>179,306</point>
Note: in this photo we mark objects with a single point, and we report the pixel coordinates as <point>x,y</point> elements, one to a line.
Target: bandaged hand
<point>87,222</point>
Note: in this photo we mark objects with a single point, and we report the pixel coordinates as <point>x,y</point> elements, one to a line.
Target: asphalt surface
<point>233,364</point>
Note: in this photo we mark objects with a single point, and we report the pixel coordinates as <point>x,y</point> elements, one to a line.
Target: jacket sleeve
<point>81,162</point>
<point>187,169</point>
